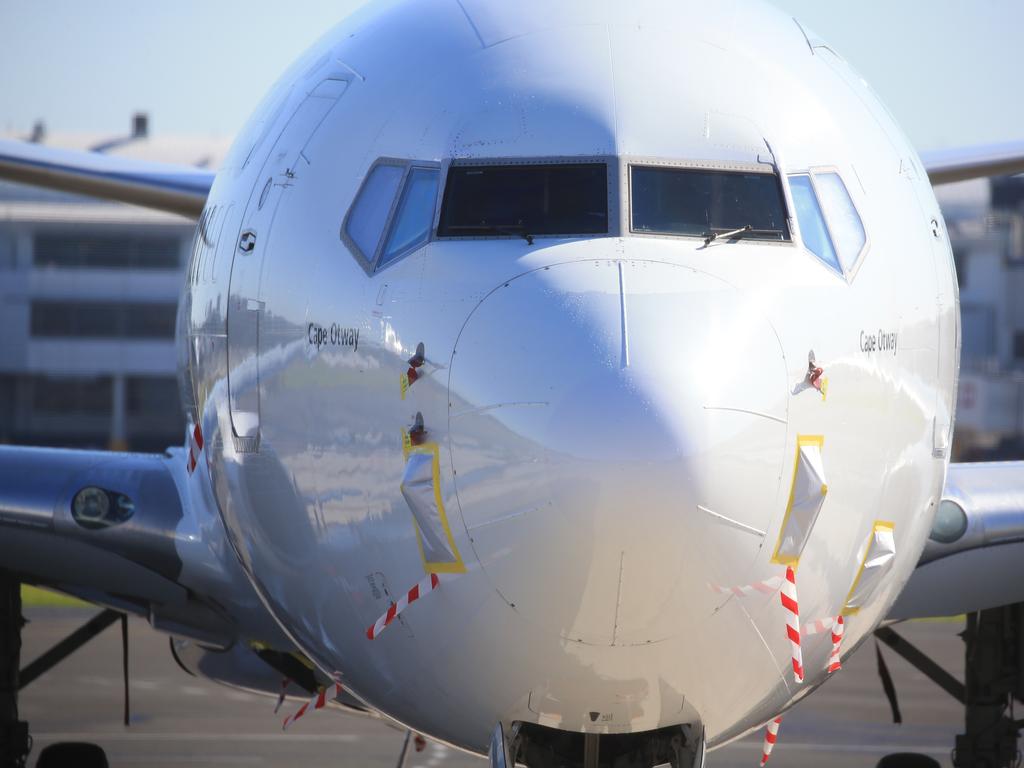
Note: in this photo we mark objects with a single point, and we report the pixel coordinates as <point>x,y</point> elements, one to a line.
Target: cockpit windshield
<point>703,203</point>
<point>525,200</point>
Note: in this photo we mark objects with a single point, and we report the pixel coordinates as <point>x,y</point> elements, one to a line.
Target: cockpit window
<point>525,200</point>
<point>700,202</point>
<point>812,224</point>
<point>393,212</point>
<point>415,214</point>
<point>830,226</point>
<point>847,228</point>
<point>369,213</point>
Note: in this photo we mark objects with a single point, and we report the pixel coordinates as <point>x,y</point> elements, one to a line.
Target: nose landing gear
<point>537,746</point>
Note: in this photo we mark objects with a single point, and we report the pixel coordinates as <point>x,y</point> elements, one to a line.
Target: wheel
<point>908,760</point>
<point>79,754</point>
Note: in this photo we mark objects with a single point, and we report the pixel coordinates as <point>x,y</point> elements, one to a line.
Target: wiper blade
<point>710,237</point>
<point>497,229</point>
<point>736,234</point>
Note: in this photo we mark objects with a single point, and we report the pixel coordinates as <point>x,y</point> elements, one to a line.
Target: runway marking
<point>92,680</point>
<point>239,696</point>
<point>127,759</point>
<point>334,738</point>
<point>193,690</point>
<point>872,749</point>
<point>440,754</point>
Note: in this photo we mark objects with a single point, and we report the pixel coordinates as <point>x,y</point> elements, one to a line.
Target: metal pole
<point>404,755</point>
<point>14,739</point>
<point>931,670</point>
<point>124,664</point>
<point>68,645</point>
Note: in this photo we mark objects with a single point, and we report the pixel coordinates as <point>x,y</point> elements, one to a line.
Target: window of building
<point>72,395</point>
<point>8,256</point>
<point>149,395</point>
<point>520,200</point>
<point>100,320</point>
<point>813,229</point>
<point>700,202</point>
<point>1018,345</point>
<point>79,251</point>
<point>978,331</point>
<point>415,214</point>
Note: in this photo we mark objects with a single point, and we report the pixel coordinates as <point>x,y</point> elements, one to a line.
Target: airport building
<point>88,297</point>
<point>986,229</point>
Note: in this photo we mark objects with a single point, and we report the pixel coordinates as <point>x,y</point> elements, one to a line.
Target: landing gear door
<point>283,168</point>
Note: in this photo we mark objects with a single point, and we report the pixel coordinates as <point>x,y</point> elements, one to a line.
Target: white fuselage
<point>616,417</point>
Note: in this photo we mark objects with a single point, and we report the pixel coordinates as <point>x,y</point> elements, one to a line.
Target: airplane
<point>555,389</point>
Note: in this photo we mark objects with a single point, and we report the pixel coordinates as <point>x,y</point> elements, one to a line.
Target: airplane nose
<point>617,433</point>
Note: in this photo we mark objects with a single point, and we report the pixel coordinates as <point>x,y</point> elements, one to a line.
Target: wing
<point>122,530</point>
<point>140,533</point>
<point>177,189</point>
<point>975,558</point>
<point>961,163</point>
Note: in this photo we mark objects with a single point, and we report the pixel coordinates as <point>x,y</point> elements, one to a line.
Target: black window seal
<point>706,165</point>
<point>610,163</point>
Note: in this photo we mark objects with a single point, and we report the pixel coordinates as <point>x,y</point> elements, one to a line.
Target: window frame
<point>371,262</point>
<point>610,163</point>
<point>811,172</point>
<point>768,169</point>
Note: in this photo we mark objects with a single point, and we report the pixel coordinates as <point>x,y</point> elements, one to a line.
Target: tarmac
<point>179,720</point>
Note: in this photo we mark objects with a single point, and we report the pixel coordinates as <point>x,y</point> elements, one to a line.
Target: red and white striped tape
<point>789,603</point>
<point>834,663</point>
<point>771,733</point>
<point>195,448</point>
<point>426,586</point>
<point>317,702</point>
<point>766,587</point>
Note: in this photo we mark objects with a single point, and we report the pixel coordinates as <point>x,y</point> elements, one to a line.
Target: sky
<point>947,69</point>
